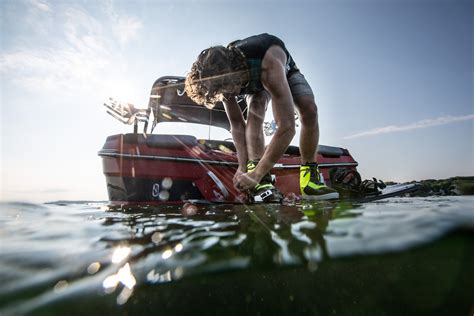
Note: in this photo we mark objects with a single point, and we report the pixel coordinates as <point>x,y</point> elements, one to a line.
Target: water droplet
<point>178,273</point>
<point>166,254</point>
<point>156,237</point>
<point>60,286</point>
<point>164,195</point>
<point>167,183</point>
<point>93,268</point>
<point>189,209</point>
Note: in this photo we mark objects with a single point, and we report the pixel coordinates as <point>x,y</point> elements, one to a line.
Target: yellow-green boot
<point>312,186</point>
<point>265,191</point>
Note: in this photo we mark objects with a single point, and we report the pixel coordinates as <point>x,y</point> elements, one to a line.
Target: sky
<point>393,80</point>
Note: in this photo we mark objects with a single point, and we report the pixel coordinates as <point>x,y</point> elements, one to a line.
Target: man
<point>261,68</point>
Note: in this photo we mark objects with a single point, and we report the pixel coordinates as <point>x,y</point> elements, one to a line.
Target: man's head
<point>217,71</point>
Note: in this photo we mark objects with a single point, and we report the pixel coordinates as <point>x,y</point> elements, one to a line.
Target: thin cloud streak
<point>42,5</point>
<point>417,125</point>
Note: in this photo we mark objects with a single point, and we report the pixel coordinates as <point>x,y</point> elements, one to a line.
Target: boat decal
<point>219,184</point>
<point>155,192</point>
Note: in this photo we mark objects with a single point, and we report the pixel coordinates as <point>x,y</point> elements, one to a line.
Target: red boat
<point>144,167</point>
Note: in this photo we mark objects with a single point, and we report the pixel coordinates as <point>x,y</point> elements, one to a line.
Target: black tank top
<point>253,50</point>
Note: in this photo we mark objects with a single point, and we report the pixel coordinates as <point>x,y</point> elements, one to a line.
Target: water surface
<point>395,256</point>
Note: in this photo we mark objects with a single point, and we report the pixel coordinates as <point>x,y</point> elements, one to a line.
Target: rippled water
<point>395,256</point>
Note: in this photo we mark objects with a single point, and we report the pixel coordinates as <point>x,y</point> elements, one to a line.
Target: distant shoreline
<point>443,187</point>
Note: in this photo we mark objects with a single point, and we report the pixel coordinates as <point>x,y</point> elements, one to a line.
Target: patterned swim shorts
<point>298,85</point>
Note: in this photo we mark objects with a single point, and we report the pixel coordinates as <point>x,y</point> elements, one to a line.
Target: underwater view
<point>397,256</point>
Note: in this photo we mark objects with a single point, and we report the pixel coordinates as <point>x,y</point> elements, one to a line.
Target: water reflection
<point>177,243</point>
<point>182,241</point>
<point>171,246</point>
<point>120,254</point>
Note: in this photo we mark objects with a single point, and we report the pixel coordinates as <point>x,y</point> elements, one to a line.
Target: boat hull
<point>175,168</point>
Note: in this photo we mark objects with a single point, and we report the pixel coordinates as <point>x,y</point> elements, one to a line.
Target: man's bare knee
<point>308,113</point>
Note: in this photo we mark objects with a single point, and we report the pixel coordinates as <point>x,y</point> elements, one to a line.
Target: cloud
<point>41,5</point>
<point>73,50</point>
<point>124,27</point>
<point>60,69</point>
<point>127,28</point>
<point>416,125</point>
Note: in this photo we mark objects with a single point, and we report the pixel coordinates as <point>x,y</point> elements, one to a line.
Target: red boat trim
<point>167,158</point>
<point>214,162</point>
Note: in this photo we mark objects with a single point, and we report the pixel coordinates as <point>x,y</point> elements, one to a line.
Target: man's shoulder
<point>275,56</point>
<point>259,37</point>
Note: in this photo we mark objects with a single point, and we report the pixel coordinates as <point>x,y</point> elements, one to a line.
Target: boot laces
<point>313,173</point>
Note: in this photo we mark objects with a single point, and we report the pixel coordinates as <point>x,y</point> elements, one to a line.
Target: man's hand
<point>236,175</point>
<point>246,181</point>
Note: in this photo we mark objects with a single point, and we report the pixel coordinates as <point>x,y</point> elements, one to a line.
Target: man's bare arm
<point>275,82</point>
<point>237,127</point>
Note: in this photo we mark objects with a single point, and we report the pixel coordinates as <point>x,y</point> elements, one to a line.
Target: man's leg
<point>309,135</point>
<point>254,130</point>
<point>310,178</point>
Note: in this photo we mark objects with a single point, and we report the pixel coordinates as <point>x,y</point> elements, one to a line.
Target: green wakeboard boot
<point>311,185</point>
<point>265,191</point>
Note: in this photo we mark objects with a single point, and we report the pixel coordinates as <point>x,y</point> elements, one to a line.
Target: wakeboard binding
<point>265,191</point>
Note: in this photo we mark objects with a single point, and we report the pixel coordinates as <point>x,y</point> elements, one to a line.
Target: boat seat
<point>330,151</point>
<point>324,150</point>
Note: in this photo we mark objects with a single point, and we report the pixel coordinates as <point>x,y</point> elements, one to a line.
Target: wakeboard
<point>388,192</point>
